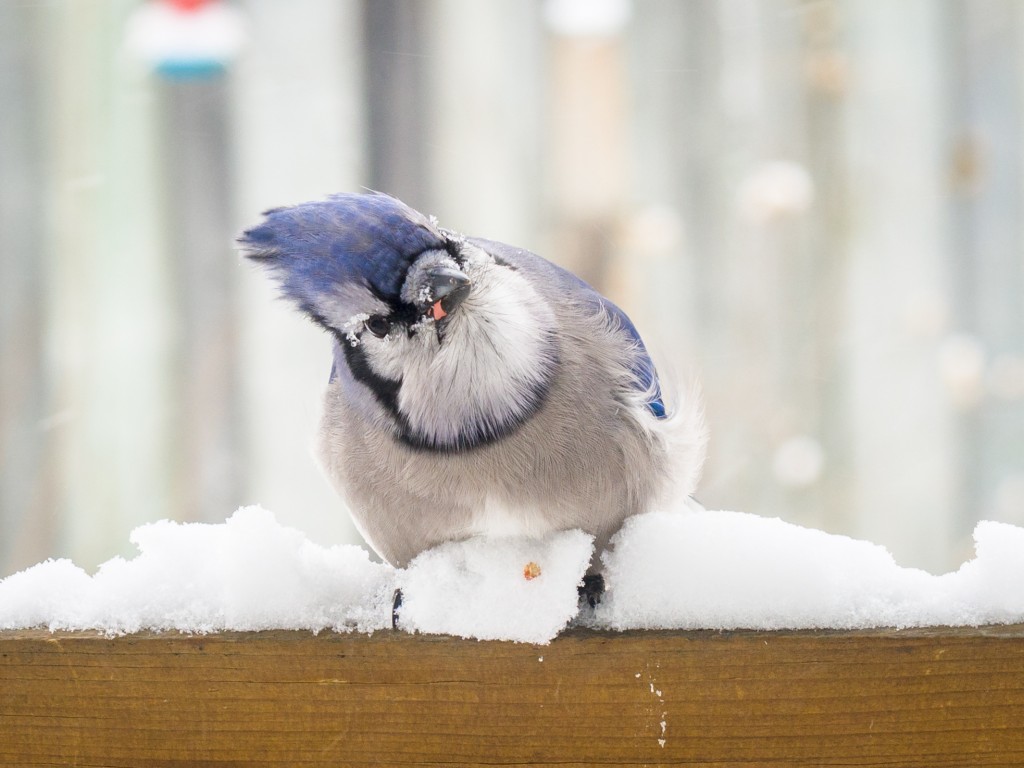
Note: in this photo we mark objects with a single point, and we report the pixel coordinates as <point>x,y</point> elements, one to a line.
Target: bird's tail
<point>684,435</point>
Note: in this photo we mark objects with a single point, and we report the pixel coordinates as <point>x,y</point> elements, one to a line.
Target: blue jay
<point>476,388</point>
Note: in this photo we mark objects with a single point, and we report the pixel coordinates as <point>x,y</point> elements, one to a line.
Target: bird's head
<point>435,338</point>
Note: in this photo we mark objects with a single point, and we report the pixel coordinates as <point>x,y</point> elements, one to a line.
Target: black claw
<point>592,588</point>
<point>396,603</point>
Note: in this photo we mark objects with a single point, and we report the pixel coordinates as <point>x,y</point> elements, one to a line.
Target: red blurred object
<point>187,5</point>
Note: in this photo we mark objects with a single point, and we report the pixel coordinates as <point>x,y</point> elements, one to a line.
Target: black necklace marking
<point>481,435</point>
<point>386,393</point>
<point>385,390</point>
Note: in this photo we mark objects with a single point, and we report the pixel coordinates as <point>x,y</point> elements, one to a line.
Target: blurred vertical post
<point>27,511</point>
<point>586,176</point>
<point>189,43</point>
<point>822,262</point>
<point>983,360</point>
<point>495,103</point>
<point>895,282</point>
<point>398,99</point>
<point>199,233</point>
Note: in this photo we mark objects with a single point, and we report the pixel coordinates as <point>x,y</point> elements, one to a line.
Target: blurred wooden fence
<point>936,698</point>
<point>814,207</point>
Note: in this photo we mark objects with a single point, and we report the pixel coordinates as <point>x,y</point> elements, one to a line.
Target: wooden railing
<point>937,697</point>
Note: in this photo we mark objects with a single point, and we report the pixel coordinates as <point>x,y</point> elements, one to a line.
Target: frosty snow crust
<point>686,570</point>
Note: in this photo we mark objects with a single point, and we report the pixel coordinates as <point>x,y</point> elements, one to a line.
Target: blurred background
<point>814,208</point>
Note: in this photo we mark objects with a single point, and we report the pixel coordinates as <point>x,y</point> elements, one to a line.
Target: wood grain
<point>942,697</point>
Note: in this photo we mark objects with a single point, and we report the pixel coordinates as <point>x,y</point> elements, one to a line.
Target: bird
<point>476,388</point>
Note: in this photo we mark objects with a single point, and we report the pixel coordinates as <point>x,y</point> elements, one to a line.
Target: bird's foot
<point>396,604</point>
<point>591,589</point>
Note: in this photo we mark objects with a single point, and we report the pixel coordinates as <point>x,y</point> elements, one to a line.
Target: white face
<point>486,372</point>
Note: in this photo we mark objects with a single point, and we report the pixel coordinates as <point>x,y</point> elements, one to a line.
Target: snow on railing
<point>723,638</point>
<point>678,570</point>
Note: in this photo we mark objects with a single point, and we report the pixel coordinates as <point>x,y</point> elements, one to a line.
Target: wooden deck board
<point>936,697</point>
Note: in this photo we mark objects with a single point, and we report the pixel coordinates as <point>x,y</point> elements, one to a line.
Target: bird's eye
<point>378,325</point>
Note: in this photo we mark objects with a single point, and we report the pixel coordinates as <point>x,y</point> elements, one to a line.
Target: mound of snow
<point>245,574</point>
<point>496,589</point>
<point>680,570</point>
<point>728,570</point>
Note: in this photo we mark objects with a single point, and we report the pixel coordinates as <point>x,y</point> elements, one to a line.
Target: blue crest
<point>370,239</point>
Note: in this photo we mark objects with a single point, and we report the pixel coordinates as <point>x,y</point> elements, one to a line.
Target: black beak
<point>448,288</point>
